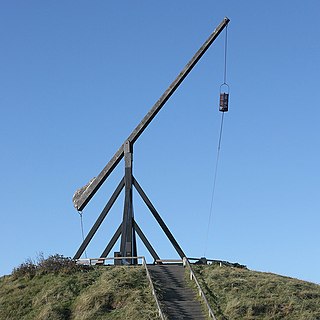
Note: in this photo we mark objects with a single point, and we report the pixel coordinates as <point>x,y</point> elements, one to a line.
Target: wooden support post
<point>146,242</point>
<point>159,219</point>
<point>128,246</point>
<point>112,242</point>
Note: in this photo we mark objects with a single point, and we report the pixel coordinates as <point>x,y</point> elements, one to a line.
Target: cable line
<point>223,107</point>
<point>82,232</point>
<point>214,183</point>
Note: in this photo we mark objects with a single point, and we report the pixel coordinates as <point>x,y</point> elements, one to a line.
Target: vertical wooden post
<point>128,246</point>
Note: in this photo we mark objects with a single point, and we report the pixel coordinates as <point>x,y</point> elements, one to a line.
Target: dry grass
<point>55,289</point>
<point>236,293</point>
<point>100,293</point>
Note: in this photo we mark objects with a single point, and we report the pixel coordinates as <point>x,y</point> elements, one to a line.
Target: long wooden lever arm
<point>84,195</point>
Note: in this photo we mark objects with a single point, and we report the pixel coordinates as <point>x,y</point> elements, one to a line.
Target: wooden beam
<point>112,242</point>
<point>146,241</point>
<point>159,219</point>
<point>84,195</point>
<point>97,224</point>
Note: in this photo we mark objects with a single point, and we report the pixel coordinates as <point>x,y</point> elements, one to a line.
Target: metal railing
<point>161,315</point>
<point>168,261</point>
<point>186,263</point>
<point>101,261</point>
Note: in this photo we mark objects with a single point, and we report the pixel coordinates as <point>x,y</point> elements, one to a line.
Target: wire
<point>214,183</point>
<point>82,232</point>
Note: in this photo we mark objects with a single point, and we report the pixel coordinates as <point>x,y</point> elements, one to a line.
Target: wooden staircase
<point>177,299</point>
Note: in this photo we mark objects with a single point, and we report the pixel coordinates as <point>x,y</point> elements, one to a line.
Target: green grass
<point>101,293</point>
<point>237,293</point>
<point>55,288</point>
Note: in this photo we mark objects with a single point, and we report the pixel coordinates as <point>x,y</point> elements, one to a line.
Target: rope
<point>82,232</point>
<point>214,183</point>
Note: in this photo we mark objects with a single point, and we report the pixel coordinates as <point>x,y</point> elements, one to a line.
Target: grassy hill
<point>55,288</point>
<point>238,293</point>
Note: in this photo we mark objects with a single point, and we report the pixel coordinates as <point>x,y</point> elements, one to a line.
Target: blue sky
<point>76,77</point>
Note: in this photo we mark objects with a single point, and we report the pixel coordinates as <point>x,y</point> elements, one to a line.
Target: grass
<point>238,293</point>
<point>110,292</point>
<point>55,288</point>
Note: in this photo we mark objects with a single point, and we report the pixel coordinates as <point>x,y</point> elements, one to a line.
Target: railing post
<point>184,262</point>
<point>201,293</point>
<point>153,289</point>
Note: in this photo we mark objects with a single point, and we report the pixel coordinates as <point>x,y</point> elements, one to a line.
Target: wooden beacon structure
<point>129,226</point>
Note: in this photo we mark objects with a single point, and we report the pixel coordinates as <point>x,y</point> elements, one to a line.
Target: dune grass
<point>57,289</point>
<point>109,292</point>
<point>238,293</point>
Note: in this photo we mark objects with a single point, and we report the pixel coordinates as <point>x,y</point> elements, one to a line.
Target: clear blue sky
<point>76,77</point>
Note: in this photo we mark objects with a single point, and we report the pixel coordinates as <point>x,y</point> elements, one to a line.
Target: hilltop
<point>55,288</point>
<point>239,293</point>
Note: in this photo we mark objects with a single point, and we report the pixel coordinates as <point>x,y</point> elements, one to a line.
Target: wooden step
<point>179,301</point>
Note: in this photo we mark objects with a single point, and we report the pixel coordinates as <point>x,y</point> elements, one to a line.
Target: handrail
<point>153,290</point>
<point>94,261</point>
<point>144,263</point>
<point>186,263</point>
<point>159,261</point>
<point>220,262</point>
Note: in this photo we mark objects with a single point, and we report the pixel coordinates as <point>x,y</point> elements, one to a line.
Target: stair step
<point>177,298</point>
